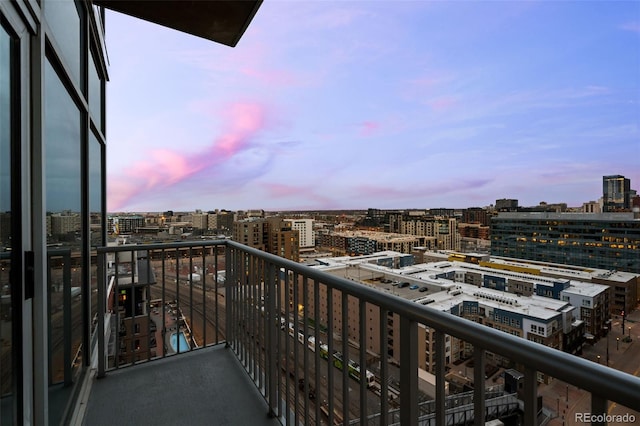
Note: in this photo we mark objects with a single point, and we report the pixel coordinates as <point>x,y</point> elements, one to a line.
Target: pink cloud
<point>369,128</point>
<point>631,26</point>
<point>166,168</point>
<point>443,103</point>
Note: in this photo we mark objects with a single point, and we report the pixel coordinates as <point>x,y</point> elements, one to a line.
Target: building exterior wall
<point>305,230</point>
<point>616,193</point>
<point>606,241</point>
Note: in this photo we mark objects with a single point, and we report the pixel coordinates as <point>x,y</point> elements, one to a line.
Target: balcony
<point>252,345</point>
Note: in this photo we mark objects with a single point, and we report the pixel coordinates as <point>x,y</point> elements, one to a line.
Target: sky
<point>381,104</point>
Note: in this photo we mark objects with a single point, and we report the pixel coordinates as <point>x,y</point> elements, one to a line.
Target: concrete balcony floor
<point>204,387</point>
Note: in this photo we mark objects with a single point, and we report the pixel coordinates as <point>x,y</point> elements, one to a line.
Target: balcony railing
<point>319,347</point>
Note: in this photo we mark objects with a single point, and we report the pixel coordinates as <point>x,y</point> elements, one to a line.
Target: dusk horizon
<point>376,104</point>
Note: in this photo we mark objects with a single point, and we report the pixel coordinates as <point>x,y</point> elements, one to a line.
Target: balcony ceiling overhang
<point>222,21</point>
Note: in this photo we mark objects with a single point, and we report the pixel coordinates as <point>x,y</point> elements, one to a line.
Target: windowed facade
<point>52,207</point>
<point>603,241</point>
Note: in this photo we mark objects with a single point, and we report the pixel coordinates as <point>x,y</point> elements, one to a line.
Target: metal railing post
<point>102,308</point>
<point>229,284</point>
<point>408,372</point>
<point>598,409</point>
<point>440,380</point>
<point>530,397</point>
<point>270,346</point>
<point>478,386</point>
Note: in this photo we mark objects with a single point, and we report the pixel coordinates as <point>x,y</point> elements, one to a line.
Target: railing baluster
<point>254,327</point>
<point>277,320</point>
<point>178,305</point>
<point>305,350</point>
<point>598,409</point>
<point>408,372</point>
<point>229,285</point>
<point>345,357</point>
<point>478,386</point>
<point>362,361</point>
<point>116,307</point>
<point>330,369</point>
<point>287,345</point>
<point>271,353</point>
<point>440,380</point>
<point>216,296</point>
<point>148,305</point>
<point>316,359</point>
<point>203,278</point>
<point>163,303</point>
<point>296,375</point>
<point>190,281</point>
<point>384,366</point>
<point>102,309</point>
<point>530,397</point>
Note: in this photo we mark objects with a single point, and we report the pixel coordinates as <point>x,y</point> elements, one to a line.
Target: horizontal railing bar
<point>160,246</point>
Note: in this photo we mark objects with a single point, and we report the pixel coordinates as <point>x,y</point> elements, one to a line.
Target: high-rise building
<point>305,229</point>
<point>506,205</point>
<point>616,193</point>
<point>272,235</point>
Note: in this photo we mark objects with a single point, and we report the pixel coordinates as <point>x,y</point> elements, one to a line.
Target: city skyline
<point>376,104</point>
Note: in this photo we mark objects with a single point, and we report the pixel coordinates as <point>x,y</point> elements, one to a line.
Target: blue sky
<point>386,104</point>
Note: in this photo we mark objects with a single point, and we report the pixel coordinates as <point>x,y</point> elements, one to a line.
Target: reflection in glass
<point>64,21</point>
<point>62,129</point>
<point>95,94</point>
<point>6,376</point>
<point>95,214</point>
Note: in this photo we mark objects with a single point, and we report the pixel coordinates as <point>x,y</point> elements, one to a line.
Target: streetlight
<point>598,356</point>
<point>629,332</point>
<point>617,343</point>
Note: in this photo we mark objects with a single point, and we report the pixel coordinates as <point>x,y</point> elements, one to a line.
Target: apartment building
<point>603,241</point>
<point>477,294</point>
<point>305,231</point>
<point>273,235</point>
<point>368,242</point>
<point>443,228</point>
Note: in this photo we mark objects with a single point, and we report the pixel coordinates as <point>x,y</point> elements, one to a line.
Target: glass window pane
<point>64,21</point>
<point>95,94</point>
<point>95,215</point>
<point>62,129</point>
<point>6,376</point>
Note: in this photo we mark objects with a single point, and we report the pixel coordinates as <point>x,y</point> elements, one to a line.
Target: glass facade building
<point>616,195</point>
<point>604,241</point>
